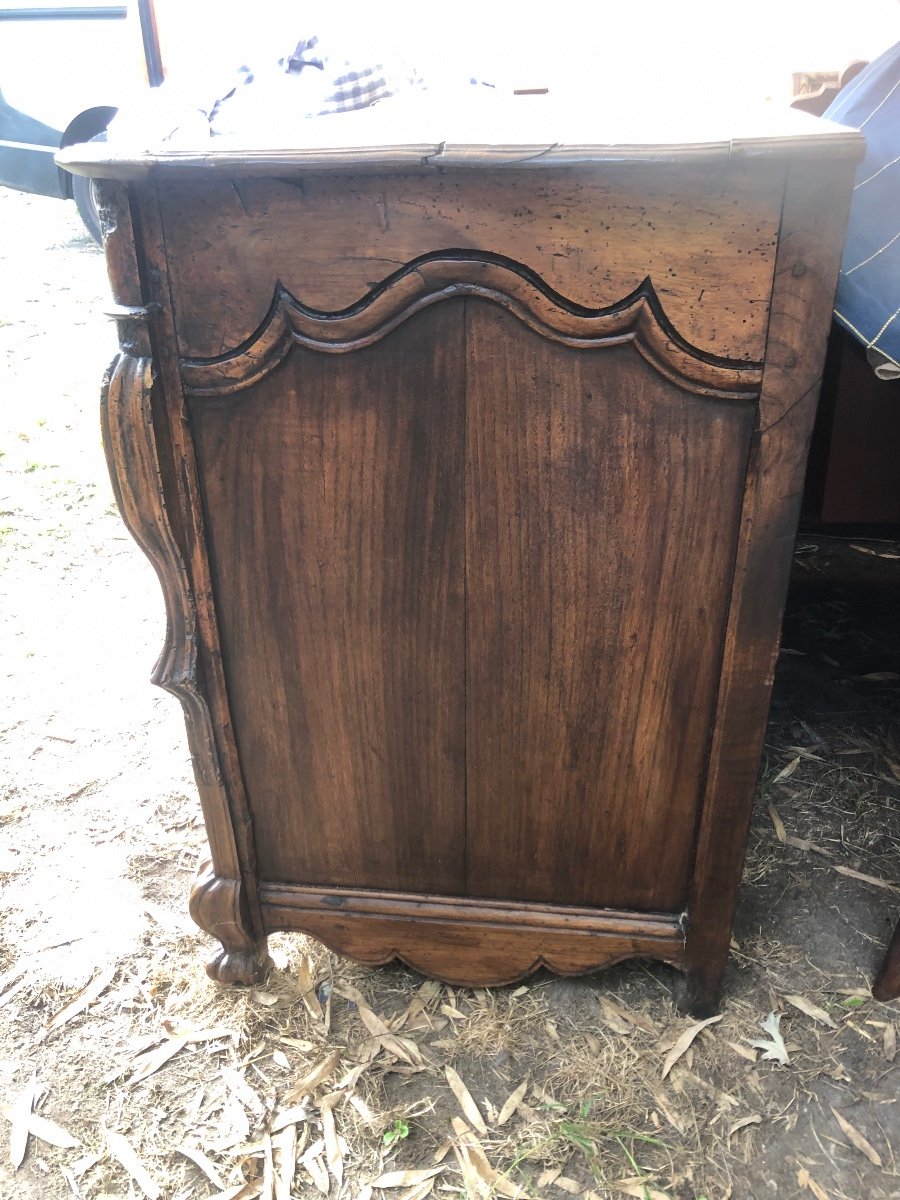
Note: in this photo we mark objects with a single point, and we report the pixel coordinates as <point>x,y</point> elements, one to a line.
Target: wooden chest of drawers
<point>471,476</point>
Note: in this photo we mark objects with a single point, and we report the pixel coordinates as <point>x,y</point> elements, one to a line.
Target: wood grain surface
<point>706,240</point>
<point>602,513</point>
<point>470,943</point>
<point>813,223</point>
<point>333,493</point>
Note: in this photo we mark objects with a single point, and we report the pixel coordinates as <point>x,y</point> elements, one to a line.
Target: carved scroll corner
<point>217,906</point>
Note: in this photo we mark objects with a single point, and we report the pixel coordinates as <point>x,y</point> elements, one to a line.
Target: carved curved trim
<point>217,906</point>
<point>638,319</point>
<point>469,943</point>
<point>134,469</point>
<point>129,441</point>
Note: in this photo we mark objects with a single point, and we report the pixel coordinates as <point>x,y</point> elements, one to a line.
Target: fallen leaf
<point>296,1114</point>
<point>398,1179</point>
<point>565,1184</point>
<point>787,772</point>
<point>266,999</point>
<point>684,1042</point>
<point>420,1191</point>
<point>80,1001</point>
<point>755,1119</point>
<point>333,1156</point>
<point>869,550</point>
<point>280,1059</point>
<point>20,1117</point>
<point>890,1041</point>
<point>312,1163</point>
<point>780,831</point>
<point>626,1014</point>
<point>83,1164</point>
<point>479,1175</point>
<point>284,1143</point>
<point>773,1048</point>
<point>873,879</point>
<point>466,1103</point>
<point>429,991</point>
<point>402,1047</point>
<point>640,1188</point>
<point>122,1151</point>
<point>803,844</point>
<point>805,1180</point>
<point>612,1018</point>
<point>811,1010</point>
<point>666,1110</point>
<point>150,1062</point>
<point>206,1165</point>
<point>511,1103</point>
<point>750,1055</point>
<point>877,677</point>
<point>307,982</point>
<point>242,1091</point>
<point>45,1129</point>
<point>200,1035</point>
<point>268,1173</point>
<point>314,1078</point>
<point>865,1147</point>
<point>240,1191</point>
<point>10,976</point>
<point>11,994</point>
<point>442,1151</point>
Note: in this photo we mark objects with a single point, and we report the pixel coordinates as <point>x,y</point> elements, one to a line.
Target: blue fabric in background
<point>868,295</point>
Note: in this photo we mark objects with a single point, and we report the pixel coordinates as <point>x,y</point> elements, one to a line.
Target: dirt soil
<point>332,1078</point>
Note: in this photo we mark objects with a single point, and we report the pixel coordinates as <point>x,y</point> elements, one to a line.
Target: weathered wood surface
<point>333,492</point>
<point>815,215</point>
<point>707,243</point>
<point>467,942</point>
<point>602,512</point>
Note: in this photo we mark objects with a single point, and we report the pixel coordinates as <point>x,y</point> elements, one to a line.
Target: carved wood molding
<point>469,943</point>
<point>638,320</point>
<point>130,444</point>
<point>217,905</point>
<point>134,468</point>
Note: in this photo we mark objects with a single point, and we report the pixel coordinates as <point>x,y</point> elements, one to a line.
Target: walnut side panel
<point>602,515</point>
<point>333,494</point>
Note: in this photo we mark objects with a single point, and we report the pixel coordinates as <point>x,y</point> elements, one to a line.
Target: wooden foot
<point>697,991</point>
<point>217,908</point>
<point>887,984</point>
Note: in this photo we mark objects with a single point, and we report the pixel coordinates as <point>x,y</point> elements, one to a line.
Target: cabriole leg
<point>216,907</point>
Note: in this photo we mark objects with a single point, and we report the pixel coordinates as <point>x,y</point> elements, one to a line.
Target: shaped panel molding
<point>638,319</point>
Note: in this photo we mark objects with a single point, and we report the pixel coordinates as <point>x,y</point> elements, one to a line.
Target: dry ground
<point>173,1087</point>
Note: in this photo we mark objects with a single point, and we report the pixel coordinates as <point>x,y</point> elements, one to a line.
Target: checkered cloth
<point>269,100</point>
<point>310,82</point>
<point>355,87</point>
